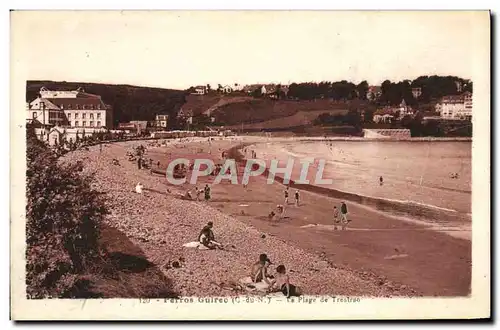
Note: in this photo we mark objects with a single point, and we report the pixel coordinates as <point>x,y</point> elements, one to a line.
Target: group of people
<point>259,270</point>
<point>277,283</point>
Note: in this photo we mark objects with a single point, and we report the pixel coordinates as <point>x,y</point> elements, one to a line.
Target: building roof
<point>48,104</point>
<point>65,102</point>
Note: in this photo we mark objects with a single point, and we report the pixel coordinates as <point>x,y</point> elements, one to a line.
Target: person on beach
<point>336,217</point>
<point>282,283</point>
<point>259,270</point>
<point>286,196</point>
<point>198,193</point>
<point>381,180</point>
<point>343,212</point>
<point>207,192</point>
<point>207,237</point>
<point>280,210</point>
<point>297,197</point>
<point>138,188</point>
<point>139,163</point>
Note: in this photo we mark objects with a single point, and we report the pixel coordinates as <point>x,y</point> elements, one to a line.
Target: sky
<point>183,49</point>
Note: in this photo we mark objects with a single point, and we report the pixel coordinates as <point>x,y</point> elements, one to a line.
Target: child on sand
<point>336,217</point>
<point>138,188</point>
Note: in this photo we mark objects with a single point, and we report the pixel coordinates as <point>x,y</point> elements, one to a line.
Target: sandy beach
<point>378,255</point>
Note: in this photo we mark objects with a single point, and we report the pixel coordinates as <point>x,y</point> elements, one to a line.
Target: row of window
<point>82,106</point>
<point>84,115</point>
<point>84,124</point>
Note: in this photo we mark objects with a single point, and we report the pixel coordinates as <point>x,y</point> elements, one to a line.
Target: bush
<point>62,223</point>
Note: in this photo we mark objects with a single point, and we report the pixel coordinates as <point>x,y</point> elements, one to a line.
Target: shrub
<point>62,222</point>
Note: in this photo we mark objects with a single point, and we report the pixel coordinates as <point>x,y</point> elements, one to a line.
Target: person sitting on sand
<point>282,283</point>
<point>138,188</point>
<point>207,192</point>
<point>259,270</point>
<point>188,195</point>
<point>207,237</point>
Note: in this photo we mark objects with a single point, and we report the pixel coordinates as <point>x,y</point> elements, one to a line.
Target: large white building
<point>75,109</point>
<point>456,106</point>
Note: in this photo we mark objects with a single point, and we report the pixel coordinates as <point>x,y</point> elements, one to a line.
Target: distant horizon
<point>214,85</point>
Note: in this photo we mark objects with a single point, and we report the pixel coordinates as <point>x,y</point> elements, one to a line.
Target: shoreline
<point>405,210</point>
<point>160,222</point>
<point>385,273</point>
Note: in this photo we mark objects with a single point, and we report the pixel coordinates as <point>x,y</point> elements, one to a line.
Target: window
<point>92,107</point>
<point>91,116</point>
<point>76,115</point>
<point>84,123</point>
<point>84,115</point>
<point>99,115</point>
<point>77,107</point>
<point>98,107</point>
<point>69,116</point>
<point>91,124</point>
<point>76,123</point>
<point>70,106</point>
<point>98,123</point>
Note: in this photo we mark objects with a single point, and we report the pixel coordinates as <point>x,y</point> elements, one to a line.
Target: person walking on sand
<point>381,180</point>
<point>286,196</point>
<point>336,217</point>
<point>343,212</point>
<point>297,197</point>
<point>207,192</point>
<point>139,163</point>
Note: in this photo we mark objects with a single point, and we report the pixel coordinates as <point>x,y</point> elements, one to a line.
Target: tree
<point>63,214</point>
<point>257,92</point>
<point>362,89</point>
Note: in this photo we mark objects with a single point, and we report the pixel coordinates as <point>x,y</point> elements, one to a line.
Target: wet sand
<point>429,261</point>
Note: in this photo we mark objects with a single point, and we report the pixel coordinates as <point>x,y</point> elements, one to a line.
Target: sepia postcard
<point>250,165</point>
